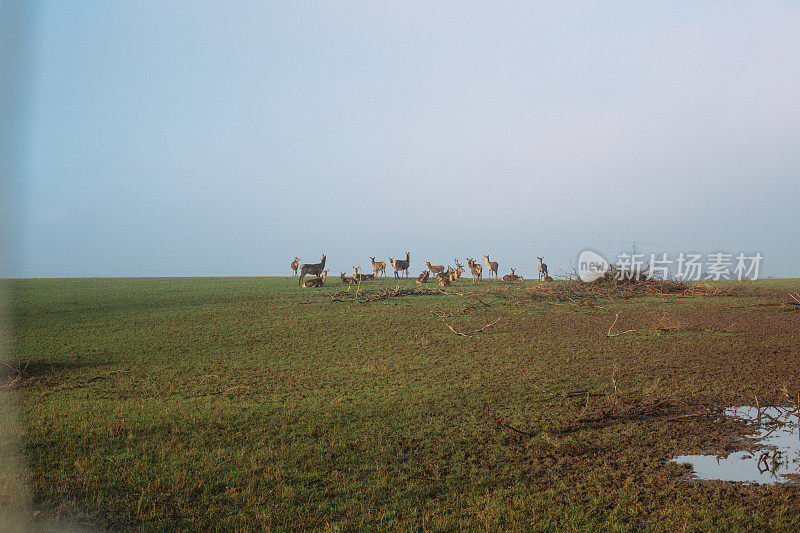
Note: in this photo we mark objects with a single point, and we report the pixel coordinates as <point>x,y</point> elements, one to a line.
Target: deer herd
<point>446,276</point>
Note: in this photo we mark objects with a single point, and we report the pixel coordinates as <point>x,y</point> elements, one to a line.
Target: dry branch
<point>469,333</point>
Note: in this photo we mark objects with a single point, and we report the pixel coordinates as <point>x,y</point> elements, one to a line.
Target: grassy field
<point>248,403</point>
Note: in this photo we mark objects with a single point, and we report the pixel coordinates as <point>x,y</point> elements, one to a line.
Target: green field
<point>248,403</point>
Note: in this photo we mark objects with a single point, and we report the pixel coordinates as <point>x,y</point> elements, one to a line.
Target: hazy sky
<point>200,138</point>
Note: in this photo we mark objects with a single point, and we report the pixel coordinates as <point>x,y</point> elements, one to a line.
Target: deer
<point>346,280</point>
<point>452,274</point>
<point>542,270</point>
<point>401,266</point>
<point>315,282</point>
<point>379,266</point>
<point>491,265</point>
<point>444,279</point>
<point>512,277</point>
<point>361,277</point>
<point>477,270</point>
<point>312,268</point>
<point>434,269</point>
<point>423,278</point>
<point>294,266</point>
<point>459,268</point>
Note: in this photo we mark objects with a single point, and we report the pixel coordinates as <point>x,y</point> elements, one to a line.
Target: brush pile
<point>381,294</point>
<point>612,286</point>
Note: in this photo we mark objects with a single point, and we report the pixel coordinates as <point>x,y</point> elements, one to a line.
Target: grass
<point>248,403</point>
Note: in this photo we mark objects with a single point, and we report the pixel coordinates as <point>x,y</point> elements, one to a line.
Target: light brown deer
<point>477,270</point>
<point>491,265</point>
<point>401,266</point>
<point>542,270</point>
<point>459,268</point>
<point>316,282</point>
<point>346,280</point>
<point>361,277</point>
<point>452,275</point>
<point>313,268</point>
<point>294,265</point>
<point>512,277</point>
<point>379,266</point>
<point>423,278</point>
<point>434,269</point>
<point>444,279</point>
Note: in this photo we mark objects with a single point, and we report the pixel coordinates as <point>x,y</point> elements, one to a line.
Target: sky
<point>226,138</point>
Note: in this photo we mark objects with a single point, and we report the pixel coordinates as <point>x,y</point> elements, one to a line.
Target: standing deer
<point>491,265</point>
<point>401,266</point>
<point>294,266</point>
<point>379,266</point>
<point>477,270</point>
<point>316,282</point>
<point>542,269</point>
<point>434,269</point>
<point>312,268</point>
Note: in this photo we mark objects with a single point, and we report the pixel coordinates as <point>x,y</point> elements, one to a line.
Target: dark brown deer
<point>401,266</point>
<point>444,279</point>
<point>315,269</point>
<point>491,265</point>
<point>476,269</point>
<point>542,270</point>
<point>379,266</point>
<point>423,278</point>
<point>361,277</point>
<point>294,266</point>
<point>316,282</point>
<point>346,280</point>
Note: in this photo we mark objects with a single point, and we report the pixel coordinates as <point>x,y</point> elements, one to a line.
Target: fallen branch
<point>609,334</point>
<point>468,334</point>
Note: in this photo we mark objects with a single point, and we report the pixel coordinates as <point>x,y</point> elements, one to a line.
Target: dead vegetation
<point>579,293</point>
<point>375,295</point>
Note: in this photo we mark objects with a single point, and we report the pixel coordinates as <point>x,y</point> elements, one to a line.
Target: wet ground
<point>767,457</point>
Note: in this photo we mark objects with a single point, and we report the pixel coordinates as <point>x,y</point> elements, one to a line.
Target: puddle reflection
<point>774,453</point>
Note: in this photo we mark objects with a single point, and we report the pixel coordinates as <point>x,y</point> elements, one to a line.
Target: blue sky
<point>201,138</point>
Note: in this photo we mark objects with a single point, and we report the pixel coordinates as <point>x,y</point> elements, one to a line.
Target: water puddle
<point>769,455</point>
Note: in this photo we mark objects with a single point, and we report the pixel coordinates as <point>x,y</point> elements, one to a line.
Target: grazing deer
<point>477,270</point>
<point>401,266</point>
<point>361,277</point>
<point>294,266</point>
<point>459,268</point>
<point>491,265</point>
<point>346,280</point>
<point>434,269</point>
<point>542,270</point>
<point>379,266</point>
<point>423,278</point>
<point>313,268</point>
<point>512,277</point>
<point>316,282</point>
